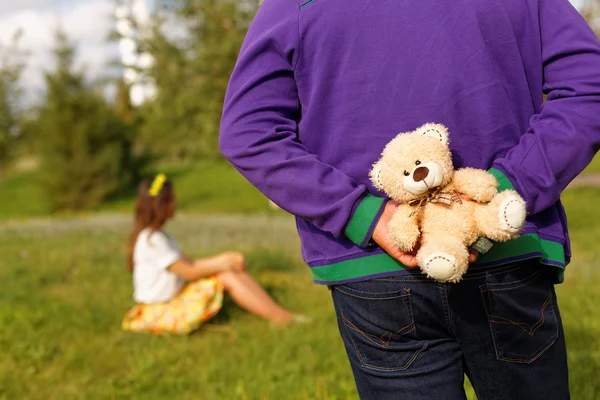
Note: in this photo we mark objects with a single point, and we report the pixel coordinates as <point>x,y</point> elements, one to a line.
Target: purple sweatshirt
<point>321,86</point>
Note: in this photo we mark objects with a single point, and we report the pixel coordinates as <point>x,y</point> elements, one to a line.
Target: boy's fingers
<point>473,254</point>
<point>407,259</point>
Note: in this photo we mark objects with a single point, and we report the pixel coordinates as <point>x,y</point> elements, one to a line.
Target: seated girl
<point>175,294</point>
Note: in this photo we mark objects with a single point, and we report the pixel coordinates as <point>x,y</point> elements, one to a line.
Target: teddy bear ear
<point>375,175</point>
<point>436,131</point>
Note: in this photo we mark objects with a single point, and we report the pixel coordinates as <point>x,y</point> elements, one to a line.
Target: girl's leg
<point>248,294</point>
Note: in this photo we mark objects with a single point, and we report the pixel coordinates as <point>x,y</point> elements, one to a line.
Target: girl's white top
<point>152,255</point>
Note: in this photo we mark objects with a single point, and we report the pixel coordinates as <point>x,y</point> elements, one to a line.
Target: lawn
<point>201,187</point>
<point>65,291</point>
<point>594,166</point>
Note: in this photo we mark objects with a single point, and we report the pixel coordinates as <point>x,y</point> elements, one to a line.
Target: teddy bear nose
<point>420,174</point>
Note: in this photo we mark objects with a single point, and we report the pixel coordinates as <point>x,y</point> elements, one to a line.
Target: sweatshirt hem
<point>370,266</point>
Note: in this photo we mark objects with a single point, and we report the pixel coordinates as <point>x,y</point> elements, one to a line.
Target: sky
<point>87,23</point>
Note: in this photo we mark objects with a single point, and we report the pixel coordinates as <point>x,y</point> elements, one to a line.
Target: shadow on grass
<point>227,312</point>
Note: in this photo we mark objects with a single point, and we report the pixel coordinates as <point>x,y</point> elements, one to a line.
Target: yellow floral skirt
<point>197,302</point>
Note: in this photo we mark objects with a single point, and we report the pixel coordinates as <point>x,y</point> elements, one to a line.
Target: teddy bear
<point>416,170</point>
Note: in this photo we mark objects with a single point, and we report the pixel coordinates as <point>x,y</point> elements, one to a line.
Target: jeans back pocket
<point>380,326</point>
<point>522,316</point>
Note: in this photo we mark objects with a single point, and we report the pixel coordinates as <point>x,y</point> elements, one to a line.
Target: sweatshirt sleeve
<point>259,132</point>
<point>564,137</point>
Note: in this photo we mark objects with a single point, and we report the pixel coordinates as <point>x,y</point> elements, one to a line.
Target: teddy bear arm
<point>478,184</point>
<point>404,227</point>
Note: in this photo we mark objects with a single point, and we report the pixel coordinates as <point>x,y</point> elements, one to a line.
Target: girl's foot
<point>292,318</point>
<point>302,319</point>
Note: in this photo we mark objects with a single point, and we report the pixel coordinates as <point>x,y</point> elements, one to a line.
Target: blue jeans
<point>408,337</point>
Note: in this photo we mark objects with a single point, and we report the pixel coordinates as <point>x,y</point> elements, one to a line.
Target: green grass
<point>205,187</point>
<point>594,166</point>
<point>21,197</point>
<point>579,296</point>
<point>201,187</point>
<point>65,291</point>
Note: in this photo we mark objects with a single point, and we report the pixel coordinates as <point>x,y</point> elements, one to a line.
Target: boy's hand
<point>473,254</point>
<point>408,259</point>
<point>381,237</point>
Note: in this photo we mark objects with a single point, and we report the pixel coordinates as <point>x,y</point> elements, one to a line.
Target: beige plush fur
<point>414,165</point>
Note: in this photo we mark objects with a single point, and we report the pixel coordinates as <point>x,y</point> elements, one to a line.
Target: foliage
<point>191,71</point>
<point>11,67</point>
<point>85,149</point>
<point>201,187</point>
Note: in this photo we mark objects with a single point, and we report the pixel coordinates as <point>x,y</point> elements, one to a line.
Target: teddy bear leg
<point>503,218</point>
<point>443,259</point>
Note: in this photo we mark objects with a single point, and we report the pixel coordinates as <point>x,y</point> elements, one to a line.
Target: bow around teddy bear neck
<point>435,196</point>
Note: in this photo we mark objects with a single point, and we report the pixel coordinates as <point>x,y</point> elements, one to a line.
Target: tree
<point>122,105</point>
<point>191,72</point>
<point>11,67</point>
<point>85,148</point>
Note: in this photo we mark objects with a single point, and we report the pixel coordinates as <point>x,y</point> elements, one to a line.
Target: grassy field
<point>201,187</point>
<point>594,166</point>
<point>65,291</point>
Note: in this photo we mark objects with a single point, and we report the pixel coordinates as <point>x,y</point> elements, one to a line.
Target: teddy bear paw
<point>441,267</point>
<point>512,214</point>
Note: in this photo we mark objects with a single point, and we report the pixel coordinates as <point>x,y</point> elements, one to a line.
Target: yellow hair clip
<point>157,185</point>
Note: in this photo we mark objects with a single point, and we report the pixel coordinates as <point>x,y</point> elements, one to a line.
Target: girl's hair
<point>153,207</point>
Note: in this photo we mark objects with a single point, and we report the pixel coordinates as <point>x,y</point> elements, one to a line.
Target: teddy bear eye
<point>417,162</point>
<point>406,173</point>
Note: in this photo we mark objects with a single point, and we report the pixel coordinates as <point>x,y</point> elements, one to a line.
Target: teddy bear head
<point>414,163</point>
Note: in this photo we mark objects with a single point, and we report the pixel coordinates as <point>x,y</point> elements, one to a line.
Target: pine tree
<point>84,147</point>
<point>129,116</point>
<point>122,105</point>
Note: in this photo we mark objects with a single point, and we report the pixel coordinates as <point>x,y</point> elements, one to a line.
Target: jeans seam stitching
<point>532,328</point>
<point>503,287</point>
<point>446,307</point>
<point>415,279</point>
<point>391,297</point>
<point>384,343</point>
<point>408,305</point>
<point>483,274</point>
<point>411,326</point>
<point>403,368</point>
<point>492,325</point>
